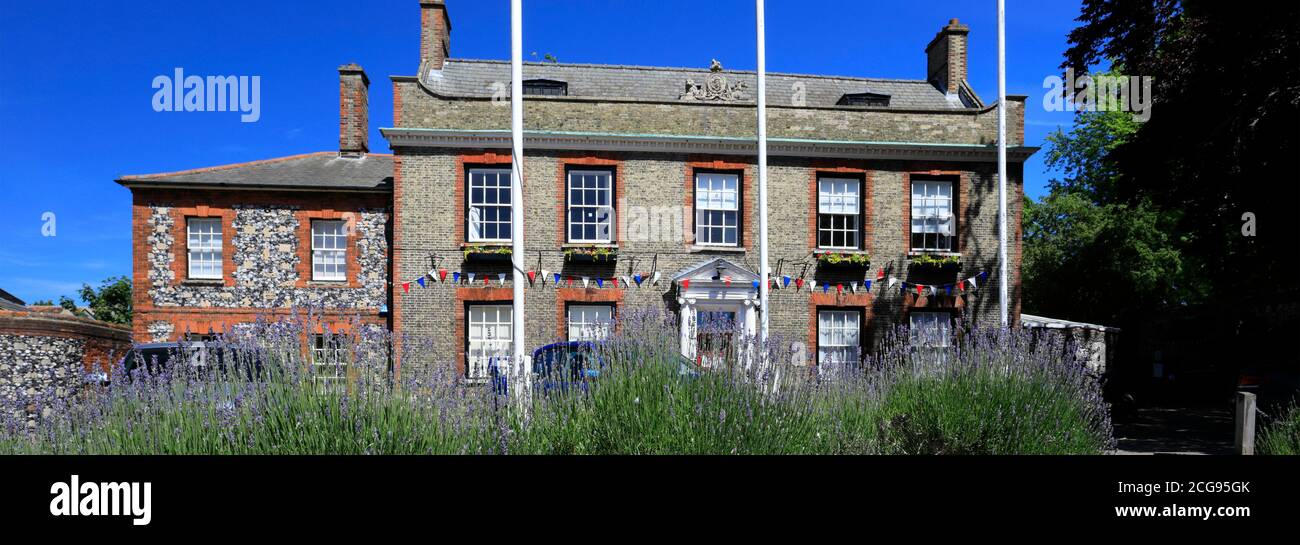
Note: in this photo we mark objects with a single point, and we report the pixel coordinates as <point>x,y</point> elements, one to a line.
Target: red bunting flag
<point>570,282</point>
<point>726,281</point>
<point>798,283</point>
<point>918,289</point>
<point>406,287</point>
<point>880,275</point>
<point>686,284</point>
<point>532,276</point>
<point>839,288</point>
<point>615,281</point>
<point>487,281</point>
<point>442,275</point>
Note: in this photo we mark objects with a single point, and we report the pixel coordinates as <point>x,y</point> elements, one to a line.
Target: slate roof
<point>474,78</point>
<point>322,170</point>
<point>9,302</point>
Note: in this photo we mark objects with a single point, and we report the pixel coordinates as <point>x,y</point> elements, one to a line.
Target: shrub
<point>994,392</point>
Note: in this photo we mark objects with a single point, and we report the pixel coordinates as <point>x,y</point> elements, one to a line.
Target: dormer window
<point>864,99</point>
<point>546,87</point>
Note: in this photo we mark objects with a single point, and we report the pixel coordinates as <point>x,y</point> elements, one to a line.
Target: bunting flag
<point>532,277</point>
<point>455,277</point>
<point>420,281</point>
<point>600,283</point>
<point>839,289</point>
<point>655,281</point>
<point>627,282</point>
<point>406,287</point>
<point>471,278</point>
<point>726,281</point>
<point>972,282</point>
<point>880,274</point>
<point>867,285</point>
<point>786,278</point>
<point>442,275</point>
<point>948,289</point>
<point>755,285</point>
<point>686,284</point>
<point>638,279</point>
<point>892,281</point>
<point>432,274</point>
<point>570,282</point>
<point>853,287</point>
<point>501,278</point>
<point>798,284</point>
<point>826,288</point>
<point>487,281</point>
<point>557,279</point>
<point>919,288</point>
<point>812,285</point>
<point>585,281</point>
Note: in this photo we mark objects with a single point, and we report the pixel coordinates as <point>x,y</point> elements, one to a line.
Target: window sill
<point>700,249</point>
<point>915,253</point>
<point>492,244</point>
<point>327,283</point>
<point>840,251</point>
<point>210,282</point>
<point>574,245</point>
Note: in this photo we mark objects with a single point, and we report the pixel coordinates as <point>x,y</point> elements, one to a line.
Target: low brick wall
<point>50,353</point>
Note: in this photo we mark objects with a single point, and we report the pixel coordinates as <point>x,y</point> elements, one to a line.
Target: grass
<point>1281,436</point>
<point>993,393</point>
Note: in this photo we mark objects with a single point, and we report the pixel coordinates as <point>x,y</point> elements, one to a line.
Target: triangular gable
<point>705,270</point>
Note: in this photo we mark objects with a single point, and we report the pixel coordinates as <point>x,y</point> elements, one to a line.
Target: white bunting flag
<point>892,281</point>
<point>501,278</point>
<point>627,281</point>
<point>585,281</point>
<point>812,285</point>
<point>853,287</point>
<point>433,274</point>
<point>545,274</point>
<point>972,282</point>
<point>655,280</point>
<point>471,278</point>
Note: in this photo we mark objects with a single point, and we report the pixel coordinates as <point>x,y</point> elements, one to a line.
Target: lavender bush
<point>992,392</point>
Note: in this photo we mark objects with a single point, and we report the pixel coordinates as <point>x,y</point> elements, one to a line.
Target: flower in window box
<point>843,259</point>
<point>488,253</point>
<point>591,254</point>
<point>936,262</point>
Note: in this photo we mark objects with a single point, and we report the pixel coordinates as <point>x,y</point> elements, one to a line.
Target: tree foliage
<point>111,302</point>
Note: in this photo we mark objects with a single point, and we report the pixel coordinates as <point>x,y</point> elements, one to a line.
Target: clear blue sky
<point>75,84</point>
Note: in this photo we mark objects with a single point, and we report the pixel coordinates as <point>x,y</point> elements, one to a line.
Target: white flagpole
<point>763,272</point>
<point>517,184</point>
<point>1002,162</point>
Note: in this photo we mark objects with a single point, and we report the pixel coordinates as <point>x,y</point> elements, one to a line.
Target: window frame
<point>606,330</point>
<point>953,185</point>
<point>473,235</point>
<point>859,232</point>
<point>739,210</point>
<point>560,88</point>
<point>946,317</point>
<point>859,315</point>
<point>506,349</point>
<point>328,357</point>
<point>317,253</point>
<point>612,194</point>
<point>219,248</point>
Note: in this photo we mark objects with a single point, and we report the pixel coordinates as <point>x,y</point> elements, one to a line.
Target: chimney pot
<point>946,58</point>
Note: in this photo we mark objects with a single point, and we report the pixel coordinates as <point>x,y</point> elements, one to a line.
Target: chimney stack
<point>946,58</point>
<point>435,35</point>
<point>354,111</point>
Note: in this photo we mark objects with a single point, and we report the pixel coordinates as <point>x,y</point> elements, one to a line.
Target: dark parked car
<point>200,356</point>
<point>560,366</point>
<point>1275,385</point>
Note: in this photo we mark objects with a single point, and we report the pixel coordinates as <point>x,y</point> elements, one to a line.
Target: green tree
<point>1082,244</point>
<point>111,302</point>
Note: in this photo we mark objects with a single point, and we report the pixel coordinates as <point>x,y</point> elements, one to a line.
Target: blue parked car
<point>561,366</point>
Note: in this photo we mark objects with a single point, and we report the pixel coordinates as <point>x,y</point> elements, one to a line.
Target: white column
<point>763,271</point>
<point>1002,163</point>
<point>517,182</point>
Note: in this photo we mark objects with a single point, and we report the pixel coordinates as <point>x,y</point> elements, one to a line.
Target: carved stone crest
<point>715,87</point>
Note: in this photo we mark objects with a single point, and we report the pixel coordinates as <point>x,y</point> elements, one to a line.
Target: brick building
<point>218,247</point>
<point>628,170</point>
